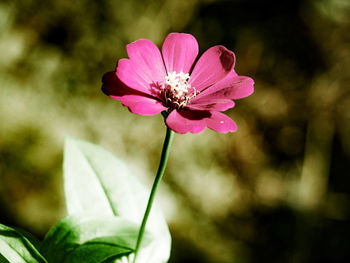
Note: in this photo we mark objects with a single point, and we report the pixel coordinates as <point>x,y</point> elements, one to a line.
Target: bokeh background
<point>277,190</point>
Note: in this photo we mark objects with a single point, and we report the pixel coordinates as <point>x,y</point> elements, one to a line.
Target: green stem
<point>163,160</point>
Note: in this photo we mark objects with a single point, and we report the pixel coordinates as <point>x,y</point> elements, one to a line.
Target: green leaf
<point>15,247</point>
<point>83,238</point>
<point>96,182</point>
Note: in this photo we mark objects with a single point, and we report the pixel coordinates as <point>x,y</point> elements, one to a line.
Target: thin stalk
<point>161,168</point>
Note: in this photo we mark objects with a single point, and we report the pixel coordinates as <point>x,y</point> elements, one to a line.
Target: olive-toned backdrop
<point>277,190</point>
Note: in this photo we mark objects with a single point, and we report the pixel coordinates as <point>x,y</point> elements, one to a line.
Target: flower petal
<point>128,74</point>
<point>212,105</point>
<point>146,56</point>
<point>145,70</point>
<point>142,105</point>
<point>187,121</point>
<point>114,88</point>
<point>221,123</point>
<point>179,52</point>
<point>231,87</point>
<point>211,67</point>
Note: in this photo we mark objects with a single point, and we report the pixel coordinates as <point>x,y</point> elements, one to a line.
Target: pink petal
<point>231,87</point>
<point>221,123</point>
<point>142,105</point>
<point>146,55</point>
<point>145,70</point>
<point>179,52</point>
<point>114,88</point>
<point>109,77</point>
<point>211,67</point>
<point>187,121</point>
<point>127,72</point>
<point>212,105</point>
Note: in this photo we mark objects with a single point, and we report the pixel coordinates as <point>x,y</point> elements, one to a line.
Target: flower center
<point>176,90</point>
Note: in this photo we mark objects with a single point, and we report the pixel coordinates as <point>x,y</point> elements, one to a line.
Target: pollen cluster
<point>176,91</point>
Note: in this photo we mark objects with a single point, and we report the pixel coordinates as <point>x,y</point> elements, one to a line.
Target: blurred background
<point>277,190</point>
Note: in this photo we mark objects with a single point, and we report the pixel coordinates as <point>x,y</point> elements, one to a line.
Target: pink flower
<point>149,83</point>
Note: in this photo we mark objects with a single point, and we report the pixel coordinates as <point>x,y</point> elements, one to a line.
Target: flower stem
<point>163,160</point>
